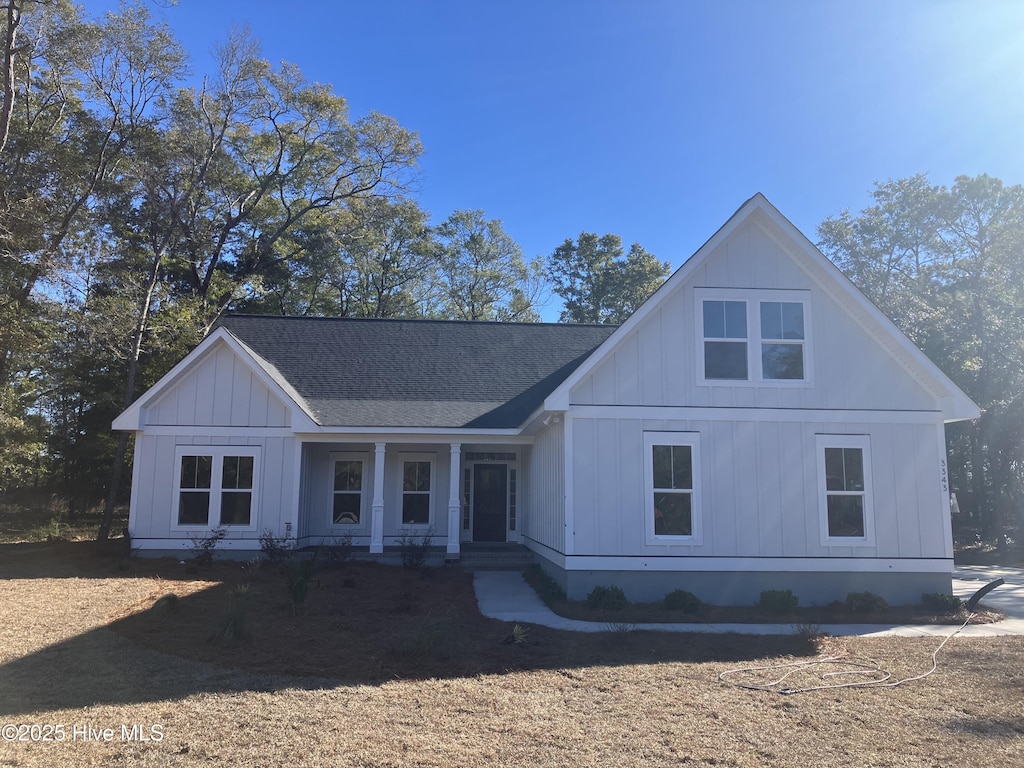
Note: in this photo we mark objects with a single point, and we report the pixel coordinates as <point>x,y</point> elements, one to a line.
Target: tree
<point>597,283</point>
<point>482,272</point>
<point>378,258</point>
<point>947,265</point>
<point>225,186</point>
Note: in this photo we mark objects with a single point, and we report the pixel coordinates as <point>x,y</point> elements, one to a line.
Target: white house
<point>757,424</point>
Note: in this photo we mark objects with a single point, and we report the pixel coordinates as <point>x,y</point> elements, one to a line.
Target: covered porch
<point>375,494</point>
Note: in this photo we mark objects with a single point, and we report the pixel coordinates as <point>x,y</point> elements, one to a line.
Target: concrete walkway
<point>505,595</point>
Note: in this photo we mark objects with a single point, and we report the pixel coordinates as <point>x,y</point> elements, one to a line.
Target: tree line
<point>136,206</point>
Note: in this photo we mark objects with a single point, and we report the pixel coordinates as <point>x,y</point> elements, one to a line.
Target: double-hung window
<point>417,481</point>
<point>752,336</point>
<point>844,483</point>
<point>348,482</point>
<point>672,479</point>
<point>215,486</point>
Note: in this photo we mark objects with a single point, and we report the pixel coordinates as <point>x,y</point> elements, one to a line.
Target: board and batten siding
<point>760,489</point>
<point>221,390</point>
<point>544,521</point>
<point>657,363</point>
<point>152,511</point>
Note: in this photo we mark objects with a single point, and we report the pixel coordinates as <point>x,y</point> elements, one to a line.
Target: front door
<point>490,502</point>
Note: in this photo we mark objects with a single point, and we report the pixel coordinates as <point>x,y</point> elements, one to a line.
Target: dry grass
<point>77,646</point>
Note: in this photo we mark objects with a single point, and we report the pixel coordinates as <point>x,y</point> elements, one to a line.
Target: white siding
<point>152,516</point>
<point>544,519</point>
<point>656,364</point>
<point>760,489</point>
<point>221,390</point>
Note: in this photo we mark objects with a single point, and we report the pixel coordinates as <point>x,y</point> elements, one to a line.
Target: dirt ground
<point>391,668</point>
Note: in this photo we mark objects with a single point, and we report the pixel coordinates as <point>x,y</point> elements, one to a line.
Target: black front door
<point>490,502</point>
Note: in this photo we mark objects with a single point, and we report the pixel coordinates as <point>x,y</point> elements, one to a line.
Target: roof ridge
<point>418,320</point>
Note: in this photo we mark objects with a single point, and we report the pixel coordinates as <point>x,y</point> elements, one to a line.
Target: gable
<point>855,357</point>
<point>219,390</point>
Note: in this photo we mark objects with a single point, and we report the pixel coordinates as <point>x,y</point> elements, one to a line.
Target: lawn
<point>383,667</point>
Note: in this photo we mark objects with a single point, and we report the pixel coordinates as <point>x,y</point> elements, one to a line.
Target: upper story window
<point>752,336</point>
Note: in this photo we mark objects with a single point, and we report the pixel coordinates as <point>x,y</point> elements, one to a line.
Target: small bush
<point>414,549</point>
<point>235,623</point>
<point>941,603</point>
<point>205,547</point>
<point>300,574</point>
<point>545,587</point>
<point>338,551</point>
<point>866,602</point>
<point>278,549</point>
<point>681,600</point>
<point>778,601</point>
<point>607,599</point>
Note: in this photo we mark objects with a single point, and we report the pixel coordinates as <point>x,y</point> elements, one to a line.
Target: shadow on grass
<point>60,559</point>
<point>363,624</point>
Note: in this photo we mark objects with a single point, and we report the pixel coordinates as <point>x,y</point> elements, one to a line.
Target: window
<point>512,482</point>
<point>215,486</point>
<point>725,340</point>
<point>782,340</point>
<point>844,482</point>
<point>347,489</point>
<point>416,482</point>
<point>730,319</point>
<point>672,471</point>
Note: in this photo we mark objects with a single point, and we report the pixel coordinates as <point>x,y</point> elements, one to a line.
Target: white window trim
<point>753,298</point>
<point>691,439</point>
<point>402,458</point>
<point>218,452</point>
<point>845,441</point>
<point>364,504</point>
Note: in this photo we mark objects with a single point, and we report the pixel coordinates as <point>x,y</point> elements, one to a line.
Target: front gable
<point>221,383</point>
<point>853,357</point>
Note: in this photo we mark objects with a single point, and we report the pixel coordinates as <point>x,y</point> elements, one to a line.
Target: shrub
<point>607,599</point>
<point>681,600</point>
<point>205,547</point>
<point>414,549</point>
<point>545,587</point>
<point>338,551</point>
<point>234,625</point>
<point>941,603</point>
<point>278,549</point>
<point>300,575</point>
<point>778,601</point>
<point>866,602</point>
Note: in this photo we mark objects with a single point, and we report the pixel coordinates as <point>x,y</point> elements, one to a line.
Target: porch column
<point>377,505</point>
<point>454,504</point>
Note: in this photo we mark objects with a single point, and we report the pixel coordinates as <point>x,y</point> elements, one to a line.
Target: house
<point>757,424</point>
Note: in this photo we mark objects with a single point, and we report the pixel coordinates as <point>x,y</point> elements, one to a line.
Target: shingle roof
<point>418,373</point>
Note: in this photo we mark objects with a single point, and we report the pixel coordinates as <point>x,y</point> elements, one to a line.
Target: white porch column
<point>454,504</point>
<point>377,505</point>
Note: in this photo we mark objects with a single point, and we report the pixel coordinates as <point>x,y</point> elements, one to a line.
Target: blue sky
<point>656,119</point>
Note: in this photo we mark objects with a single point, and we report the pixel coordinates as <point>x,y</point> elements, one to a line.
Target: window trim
<point>407,457</point>
<point>691,440</point>
<point>863,442</point>
<point>753,298</point>
<point>217,453</point>
<point>334,457</point>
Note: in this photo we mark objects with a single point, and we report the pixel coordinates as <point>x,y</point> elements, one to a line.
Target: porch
<point>378,496</point>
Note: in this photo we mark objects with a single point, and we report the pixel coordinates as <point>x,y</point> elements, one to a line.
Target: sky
<point>655,119</point>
